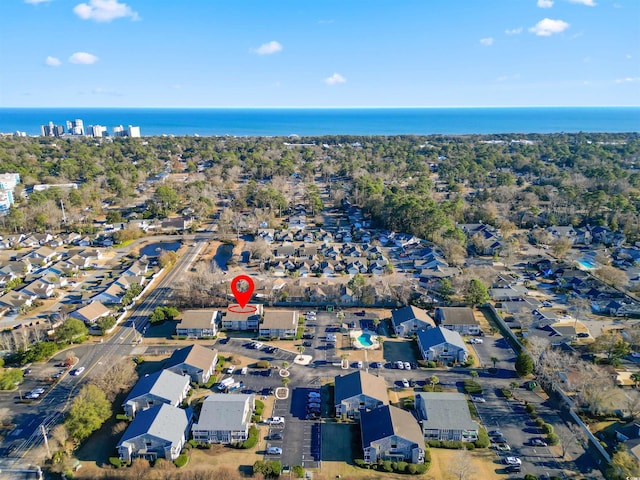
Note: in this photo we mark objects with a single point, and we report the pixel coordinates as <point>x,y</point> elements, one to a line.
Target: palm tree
<point>494,360</point>
<point>300,349</point>
<point>635,377</point>
<point>473,373</point>
<point>433,380</point>
<point>285,365</point>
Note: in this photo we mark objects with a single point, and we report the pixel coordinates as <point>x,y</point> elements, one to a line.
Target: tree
<point>477,292</point>
<point>461,467</point>
<point>433,380</point>
<point>494,360</point>
<point>71,330</point>
<point>90,409</point>
<point>623,466</point>
<point>635,378</point>
<point>561,246</point>
<point>524,363</point>
<point>357,284</point>
<point>612,276</point>
<point>612,344</point>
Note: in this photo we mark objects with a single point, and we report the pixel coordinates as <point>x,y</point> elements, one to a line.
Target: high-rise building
<point>75,127</point>
<point>8,182</point>
<point>133,131</point>
<point>51,130</point>
<point>97,130</point>
<point>118,131</point>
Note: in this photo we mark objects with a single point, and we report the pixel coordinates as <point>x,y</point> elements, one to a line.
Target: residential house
<point>629,434</point>
<point>39,289</point>
<point>242,321</point>
<point>224,418</point>
<point>198,323</point>
<point>279,324</point>
<point>111,295</point>
<point>159,432</point>
<point>196,361</point>
<point>408,320</point>
<point>177,223</point>
<point>359,391</point>
<point>16,300</point>
<point>159,387</point>
<point>390,433</point>
<point>92,312</point>
<point>442,344</point>
<point>445,416</point>
<point>459,319</point>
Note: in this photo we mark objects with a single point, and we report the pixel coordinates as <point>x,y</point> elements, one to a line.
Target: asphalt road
<point>49,409</point>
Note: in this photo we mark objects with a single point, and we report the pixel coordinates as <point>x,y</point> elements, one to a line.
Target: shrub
<point>472,387</point>
<point>506,392</point>
<point>252,440</point>
<point>262,364</point>
<point>360,463</point>
<point>427,455</point>
<point>181,461</point>
<point>401,467</point>
<point>529,476</point>
<point>298,471</point>
<point>547,428</point>
<point>553,439</point>
<point>530,408</point>
<point>539,422</point>
<point>434,443</point>
<point>193,443</point>
<point>469,445</point>
<point>122,416</point>
<point>421,468</point>
<point>115,461</point>
<point>386,466</point>
<point>483,439</point>
<point>411,469</point>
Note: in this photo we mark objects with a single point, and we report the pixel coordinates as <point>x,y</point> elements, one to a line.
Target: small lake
<point>154,249</point>
<point>223,255</point>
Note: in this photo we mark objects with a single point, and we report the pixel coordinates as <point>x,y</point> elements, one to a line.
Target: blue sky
<point>323,53</point>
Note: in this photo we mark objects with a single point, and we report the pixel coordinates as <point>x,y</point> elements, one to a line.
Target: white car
<point>39,391</point>
<point>275,421</point>
<point>77,371</point>
<point>274,451</point>
<point>475,340</point>
<point>231,369</point>
<point>407,366</point>
<point>32,395</point>
<point>359,364</point>
<point>512,461</point>
<point>310,314</point>
<point>478,399</point>
<point>400,365</point>
<point>405,383</point>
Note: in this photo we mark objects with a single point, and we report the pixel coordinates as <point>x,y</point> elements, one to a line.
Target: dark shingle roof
<point>355,383</point>
<point>405,314</point>
<point>386,421</point>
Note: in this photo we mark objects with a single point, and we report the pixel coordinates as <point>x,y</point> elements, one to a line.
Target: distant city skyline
<point>323,53</point>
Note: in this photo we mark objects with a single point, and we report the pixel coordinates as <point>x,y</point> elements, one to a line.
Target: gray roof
<point>386,421</point>
<point>360,382</point>
<point>224,411</point>
<point>444,411</point>
<point>163,384</point>
<point>163,422</point>
<point>436,336</point>
<point>198,319</point>
<point>406,314</point>
<point>195,356</point>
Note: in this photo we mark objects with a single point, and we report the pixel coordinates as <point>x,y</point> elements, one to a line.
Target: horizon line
<point>326,107</point>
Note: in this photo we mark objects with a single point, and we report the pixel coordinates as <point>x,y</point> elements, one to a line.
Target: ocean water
<point>332,121</point>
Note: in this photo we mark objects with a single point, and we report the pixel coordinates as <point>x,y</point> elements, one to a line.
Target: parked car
<point>314,394</point>
<point>376,365</point>
<point>503,447</point>
<point>495,433</point>
<point>275,436</point>
<point>512,461</point>
<point>478,399</point>
<point>274,451</point>
<point>412,382</point>
<point>400,365</point>
<point>476,340</point>
<point>405,383</point>
<point>312,416</point>
<point>407,366</point>
<point>77,371</point>
<point>307,344</point>
<point>359,364</point>
<point>310,313</point>
<point>231,369</point>
<point>314,405</point>
<point>537,442</point>
<point>39,391</point>
<point>275,420</point>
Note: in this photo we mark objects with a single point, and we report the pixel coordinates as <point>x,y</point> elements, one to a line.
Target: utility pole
<point>46,440</point>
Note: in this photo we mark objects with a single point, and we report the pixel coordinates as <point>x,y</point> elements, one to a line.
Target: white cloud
<point>104,10</point>
<point>53,61</point>
<point>628,80</point>
<point>588,3</point>
<point>547,27</point>
<point>545,3</point>
<point>83,58</point>
<point>335,79</point>
<point>36,2</point>
<point>486,41</point>
<point>514,31</point>
<point>269,48</point>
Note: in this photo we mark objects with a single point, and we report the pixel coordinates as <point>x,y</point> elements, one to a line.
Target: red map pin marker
<point>242,287</point>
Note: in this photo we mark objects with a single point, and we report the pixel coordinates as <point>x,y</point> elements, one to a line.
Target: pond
<point>154,249</point>
<point>223,255</point>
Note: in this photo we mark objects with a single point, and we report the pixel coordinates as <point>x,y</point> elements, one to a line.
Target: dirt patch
<point>484,464</point>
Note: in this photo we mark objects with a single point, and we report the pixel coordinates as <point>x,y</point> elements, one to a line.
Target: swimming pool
<point>586,264</point>
<point>365,340</point>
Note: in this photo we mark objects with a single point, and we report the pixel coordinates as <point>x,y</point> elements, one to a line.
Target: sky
<point>319,53</point>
